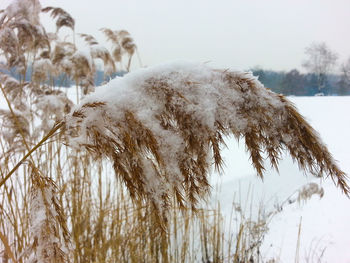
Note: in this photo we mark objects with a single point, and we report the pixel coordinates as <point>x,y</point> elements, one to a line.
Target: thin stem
<point>44,139</point>
<point>15,118</point>
<point>8,250</point>
<point>139,58</point>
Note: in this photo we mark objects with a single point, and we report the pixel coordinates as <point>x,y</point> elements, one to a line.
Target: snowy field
<point>325,227</point>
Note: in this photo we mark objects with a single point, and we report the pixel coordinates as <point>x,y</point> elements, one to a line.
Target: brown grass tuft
<point>155,171</point>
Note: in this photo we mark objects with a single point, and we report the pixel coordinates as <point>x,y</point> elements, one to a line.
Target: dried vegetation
<point>164,144</point>
<point>61,204</point>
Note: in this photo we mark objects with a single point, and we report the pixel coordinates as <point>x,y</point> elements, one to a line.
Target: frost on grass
<point>24,9</point>
<point>163,128</point>
<point>50,241</point>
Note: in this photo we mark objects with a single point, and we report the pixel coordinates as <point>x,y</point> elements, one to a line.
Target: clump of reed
<point>51,176</point>
<point>163,145</point>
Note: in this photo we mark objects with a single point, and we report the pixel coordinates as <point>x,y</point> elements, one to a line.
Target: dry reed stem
<point>40,143</point>
<point>8,250</point>
<point>297,250</point>
<point>238,243</point>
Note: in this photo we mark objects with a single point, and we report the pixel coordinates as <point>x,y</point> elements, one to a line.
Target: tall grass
<point>59,204</point>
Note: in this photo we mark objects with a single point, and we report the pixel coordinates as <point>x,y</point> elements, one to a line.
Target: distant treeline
<point>287,83</point>
<point>63,81</point>
<point>299,84</point>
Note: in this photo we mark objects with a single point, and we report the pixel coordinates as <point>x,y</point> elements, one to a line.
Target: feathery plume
<point>13,125</point>
<point>100,52</point>
<point>122,43</point>
<point>63,18</point>
<point>163,127</point>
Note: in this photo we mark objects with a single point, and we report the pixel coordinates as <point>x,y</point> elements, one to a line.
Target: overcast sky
<point>237,34</point>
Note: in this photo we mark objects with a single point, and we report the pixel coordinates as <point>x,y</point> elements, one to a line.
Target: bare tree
<point>344,82</point>
<point>345,69</point>
<point>321,59</point>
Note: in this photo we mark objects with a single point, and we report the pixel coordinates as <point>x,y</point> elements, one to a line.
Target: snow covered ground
<point>325,223</point>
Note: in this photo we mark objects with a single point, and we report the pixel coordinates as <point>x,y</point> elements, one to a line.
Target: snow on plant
<point>48,241</point>
<point>24,10</point>
<point>164,127</point>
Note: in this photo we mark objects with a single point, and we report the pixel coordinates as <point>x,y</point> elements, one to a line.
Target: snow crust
<point>129,92</point>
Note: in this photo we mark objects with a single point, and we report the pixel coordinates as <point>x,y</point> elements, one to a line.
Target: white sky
<point>236,34</point>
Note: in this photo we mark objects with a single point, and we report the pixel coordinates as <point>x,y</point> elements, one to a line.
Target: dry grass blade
<point>89,39</point>
<point>8,251</point>
<point>43,140</point>
<point>111,35</point>
<point>164,127</point>
<point>63,18</point>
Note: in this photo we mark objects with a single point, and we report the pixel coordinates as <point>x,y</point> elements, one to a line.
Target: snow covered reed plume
<point>48,231</point>
<point>164,127</point>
